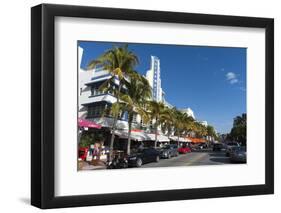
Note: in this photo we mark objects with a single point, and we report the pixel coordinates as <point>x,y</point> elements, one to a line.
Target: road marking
<point>196,158</point>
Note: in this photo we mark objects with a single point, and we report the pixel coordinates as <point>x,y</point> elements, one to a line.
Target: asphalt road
<point>204,157</point>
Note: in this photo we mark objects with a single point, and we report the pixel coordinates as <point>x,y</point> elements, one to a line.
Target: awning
<point>88,124</point>
<point>180,139</point>
<point>197,140</point>
<point>135,135</point>
<point>187,139</point>
<point>160,138</point>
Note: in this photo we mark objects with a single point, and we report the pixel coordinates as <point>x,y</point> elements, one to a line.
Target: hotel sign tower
<point>153,76</point>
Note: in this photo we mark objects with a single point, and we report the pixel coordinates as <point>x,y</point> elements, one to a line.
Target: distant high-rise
<point>189,112</point>
<point>204,123</point>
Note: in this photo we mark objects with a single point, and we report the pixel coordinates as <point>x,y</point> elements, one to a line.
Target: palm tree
<point>189,124</point>
<point>179,122</point>
<point>182,123</point>
<point>133,101</point>
<point>200,129</point>
<point>167,122</point>
<point>119,62</point>
<point>158,112</point>
<point>211,131</point>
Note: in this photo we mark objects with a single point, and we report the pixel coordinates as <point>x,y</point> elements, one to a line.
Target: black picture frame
<point>43,102</point>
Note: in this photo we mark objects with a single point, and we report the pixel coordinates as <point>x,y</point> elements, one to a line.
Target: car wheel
<point>139,162</point>
<point>125,165</point>
<point>157,159</point>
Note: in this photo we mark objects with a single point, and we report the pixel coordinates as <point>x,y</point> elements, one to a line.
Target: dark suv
<point>142,156</point>
<point>168,151</point>
<point>217,147</point>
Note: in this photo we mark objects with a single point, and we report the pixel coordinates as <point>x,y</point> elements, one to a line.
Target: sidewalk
<point>88,166</point>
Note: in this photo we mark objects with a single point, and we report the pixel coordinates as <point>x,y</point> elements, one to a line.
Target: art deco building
<point>189,112</point>
<point>92,102</point>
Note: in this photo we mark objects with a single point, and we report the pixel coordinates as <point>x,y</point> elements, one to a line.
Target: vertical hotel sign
<point>156,78</point>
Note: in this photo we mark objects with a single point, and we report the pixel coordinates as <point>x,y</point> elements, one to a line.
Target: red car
<point>184,150</point>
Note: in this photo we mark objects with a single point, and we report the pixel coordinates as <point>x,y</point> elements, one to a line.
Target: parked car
<point>199,146</point>
<point>143,156</point>
<point>184,149</point>
<point>168,151</point>
<point>229,146</point>
<point>217,147</point>
<point>238,155</point>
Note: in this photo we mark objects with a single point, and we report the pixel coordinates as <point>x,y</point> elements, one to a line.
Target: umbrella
<point>87,123</point>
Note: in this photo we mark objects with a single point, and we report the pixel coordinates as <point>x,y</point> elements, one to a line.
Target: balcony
<point>98,98</point>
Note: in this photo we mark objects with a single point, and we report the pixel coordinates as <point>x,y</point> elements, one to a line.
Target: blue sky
<point>209,80</point>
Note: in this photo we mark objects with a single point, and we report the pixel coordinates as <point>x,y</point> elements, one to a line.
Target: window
<point>95,90</point>
<point>95,111</point>
<point>135,118</point>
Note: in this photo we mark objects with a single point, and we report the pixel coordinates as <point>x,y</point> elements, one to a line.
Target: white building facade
<point>204,123</point>
<point>154,79</point>
<point>188,111</point>
<point>92,102</point>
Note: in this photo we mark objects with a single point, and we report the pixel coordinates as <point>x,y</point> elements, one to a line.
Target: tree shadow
<point>201,150</point>
<point>220,160</point>
<point>217,154</point>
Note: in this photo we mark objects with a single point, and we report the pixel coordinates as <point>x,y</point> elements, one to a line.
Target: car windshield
<point>167,147</point>
<point>232,144</point>
<point>235,148</point>
<point>242,149</point>
<point>145,150</point>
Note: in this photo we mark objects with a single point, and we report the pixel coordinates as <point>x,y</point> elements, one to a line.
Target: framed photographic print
<point>139,106</point>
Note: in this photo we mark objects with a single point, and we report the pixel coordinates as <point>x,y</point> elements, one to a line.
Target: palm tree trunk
<point>156,125</point>
<point>79,135</point>
<point>114,125</point>
<point>129,138</point>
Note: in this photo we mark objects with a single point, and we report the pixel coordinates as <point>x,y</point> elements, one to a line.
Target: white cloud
<point>231,77</point>
<point>233,81</point>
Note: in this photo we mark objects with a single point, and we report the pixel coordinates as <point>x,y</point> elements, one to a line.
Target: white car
<point>229,147</point>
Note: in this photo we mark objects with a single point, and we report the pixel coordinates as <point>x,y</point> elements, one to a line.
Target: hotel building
<point>189,112</point>
<point>92,102</point>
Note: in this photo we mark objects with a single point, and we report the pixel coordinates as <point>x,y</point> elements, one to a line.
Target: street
<point>204,157</point>
<point>194,158</point>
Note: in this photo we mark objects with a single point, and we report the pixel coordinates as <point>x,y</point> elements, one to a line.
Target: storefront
<point>180,141</point>
<point>91,140</point>
<point>161,140</point>
<point>138,138</point>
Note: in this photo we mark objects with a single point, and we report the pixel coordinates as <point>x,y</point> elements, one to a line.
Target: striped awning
<point>197,140</point>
